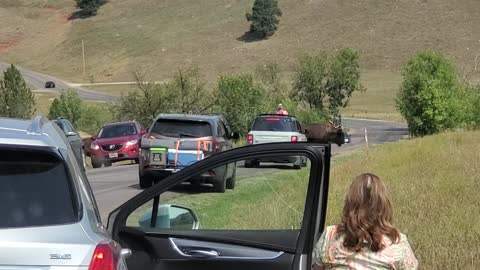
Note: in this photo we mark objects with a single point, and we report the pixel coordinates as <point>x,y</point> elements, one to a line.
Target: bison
<point>324,133</point>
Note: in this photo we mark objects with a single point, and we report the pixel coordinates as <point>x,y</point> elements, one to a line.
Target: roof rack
<point>37,124</point>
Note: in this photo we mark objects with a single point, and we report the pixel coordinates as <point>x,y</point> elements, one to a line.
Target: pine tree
<point>68,105</point>
<point>264,17</point>
<point>89,7</point>
<point>16,99</point>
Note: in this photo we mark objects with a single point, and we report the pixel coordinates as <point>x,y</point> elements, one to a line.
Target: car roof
<point>276,115</point>
<point>36,132</point>
<point>191,117</point>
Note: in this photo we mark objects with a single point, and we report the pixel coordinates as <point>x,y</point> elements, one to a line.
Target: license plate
<point>157,157</point>
<point>113,155</point>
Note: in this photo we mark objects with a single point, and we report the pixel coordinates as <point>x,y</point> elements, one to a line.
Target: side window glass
<point>221,130</point>
<point>266,193</point>
<point>68,127</point>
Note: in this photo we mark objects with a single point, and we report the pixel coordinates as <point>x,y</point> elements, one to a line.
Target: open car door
<point>270,220</point>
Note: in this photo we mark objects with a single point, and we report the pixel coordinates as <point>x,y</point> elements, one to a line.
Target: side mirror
<point>71,133</point>
<point>172,217</point>
<point>93,138</point>
<point>143,132</point>
<point>235,135</point>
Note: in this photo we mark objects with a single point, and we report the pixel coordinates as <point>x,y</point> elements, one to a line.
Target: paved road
<point>115,185</point>
<point>38,80</point>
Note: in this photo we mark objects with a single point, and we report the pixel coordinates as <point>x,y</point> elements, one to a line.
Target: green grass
<point>115,90</point>
<point>434,182</point>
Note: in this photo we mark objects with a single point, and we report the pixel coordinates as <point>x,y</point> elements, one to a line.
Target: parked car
<point>159,240</point>
<point>50,219</point>
<point>73,138</point>
<point>175,141</point>
<point>50,84</point>
<point>272,128</point>
<point>116,142</point>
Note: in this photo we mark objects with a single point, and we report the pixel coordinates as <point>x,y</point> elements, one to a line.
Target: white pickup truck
<point>271,128</point>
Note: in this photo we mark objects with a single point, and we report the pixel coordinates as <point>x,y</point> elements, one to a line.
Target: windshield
<point>275,124</point>
<point>182,128</point>
<point>35,190</point>
<point>117,131</point>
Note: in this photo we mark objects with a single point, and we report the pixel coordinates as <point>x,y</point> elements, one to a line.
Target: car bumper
<point>126,153</point>
<point>160,173</point>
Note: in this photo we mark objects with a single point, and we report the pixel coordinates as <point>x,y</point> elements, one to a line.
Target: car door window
<point>221,130</point>
<point>67,127</point>
<point>260,194</point>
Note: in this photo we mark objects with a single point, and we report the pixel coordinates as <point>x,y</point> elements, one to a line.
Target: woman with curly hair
<point>365,238</point>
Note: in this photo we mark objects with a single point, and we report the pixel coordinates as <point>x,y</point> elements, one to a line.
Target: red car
<point>116,142</point>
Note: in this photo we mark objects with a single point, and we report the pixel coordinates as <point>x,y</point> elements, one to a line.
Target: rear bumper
<point>159,174</point>
<point>291,159</point>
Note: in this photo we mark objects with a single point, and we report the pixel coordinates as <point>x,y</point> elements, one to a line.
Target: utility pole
<point>83,57</point>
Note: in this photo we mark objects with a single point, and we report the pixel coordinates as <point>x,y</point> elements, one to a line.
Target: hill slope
<point>160,35</point>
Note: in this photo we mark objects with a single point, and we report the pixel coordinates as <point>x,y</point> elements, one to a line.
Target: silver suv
<point>49,218</point>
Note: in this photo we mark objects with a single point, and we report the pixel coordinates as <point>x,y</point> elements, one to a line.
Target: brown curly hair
<point>367,215</point>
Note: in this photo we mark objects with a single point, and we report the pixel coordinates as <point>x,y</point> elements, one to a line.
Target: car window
<point>35,190</point>
<point>70,127</point>
<point>274,124</point>
<point>181,128</point>
<point>260,194</point>
<point>117,131</point>
<point>221,130</point>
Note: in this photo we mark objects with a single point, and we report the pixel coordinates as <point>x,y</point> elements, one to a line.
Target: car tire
<point>137,161</point>
<point>232,181</point>
<point>252,163</point>
<point>145,181</point>
<point>220,181</point>
<point>96,165</point>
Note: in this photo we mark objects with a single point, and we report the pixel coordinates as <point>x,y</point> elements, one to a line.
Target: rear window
<point>274,123</point>
<point>181,128</point>
<point>35,190</point>
<point>117,131</point>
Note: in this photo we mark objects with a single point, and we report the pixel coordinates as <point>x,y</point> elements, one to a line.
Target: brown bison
<point>324,133</point>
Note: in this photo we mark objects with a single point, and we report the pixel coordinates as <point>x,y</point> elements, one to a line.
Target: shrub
<point>429,97</point>
<point>68,105</point>
<point>264,17</point>
<point>93,118</point>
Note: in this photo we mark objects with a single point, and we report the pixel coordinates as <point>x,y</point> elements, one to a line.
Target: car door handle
<point>198,253</point>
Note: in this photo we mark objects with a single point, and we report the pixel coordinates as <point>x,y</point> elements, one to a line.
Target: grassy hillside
<point>157,36</point>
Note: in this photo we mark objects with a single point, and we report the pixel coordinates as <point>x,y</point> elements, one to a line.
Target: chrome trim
<point>175,247</point>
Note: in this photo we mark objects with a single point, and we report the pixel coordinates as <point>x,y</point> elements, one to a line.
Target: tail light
<point>105,256</point>
<point>250,139</point>
<point>294,139</point>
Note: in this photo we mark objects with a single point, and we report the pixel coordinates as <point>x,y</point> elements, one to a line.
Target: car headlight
<point>94,146</point>
<point>132,142</point>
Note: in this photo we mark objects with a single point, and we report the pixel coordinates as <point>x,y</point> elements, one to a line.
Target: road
<point>115,185</point>
<point>37,80</point>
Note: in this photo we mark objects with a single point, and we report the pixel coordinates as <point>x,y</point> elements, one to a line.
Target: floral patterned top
<point>331,253</point>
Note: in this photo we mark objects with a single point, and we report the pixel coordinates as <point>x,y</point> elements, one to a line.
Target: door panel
<point>267,222</point>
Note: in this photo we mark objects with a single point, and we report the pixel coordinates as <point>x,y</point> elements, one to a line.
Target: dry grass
<point>434,183</point>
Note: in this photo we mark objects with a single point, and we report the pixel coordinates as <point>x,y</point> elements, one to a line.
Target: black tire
<point>96,165</point>
<point>145,181</point>
<point>220,181</point>
<point>252,163</point>
<point>232,181</point>
<point>137,161</point>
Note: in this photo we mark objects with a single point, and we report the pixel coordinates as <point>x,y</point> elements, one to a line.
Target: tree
<point>89,7</point>
<point>191,94</point>
<point>429,94</point>
<point>68,105</point>
<point>264,17</point>
<point>16,99</point>
<point>343,79</point>
<point>93,117</point>
<point>240,100</point>
<point>327,82</point>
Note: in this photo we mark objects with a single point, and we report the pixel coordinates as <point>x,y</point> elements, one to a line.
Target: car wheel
<point>96,165</point>
<point>137,161</point>
<point>232,181</point>
<point>145,181</point>
<point>220,181</point>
